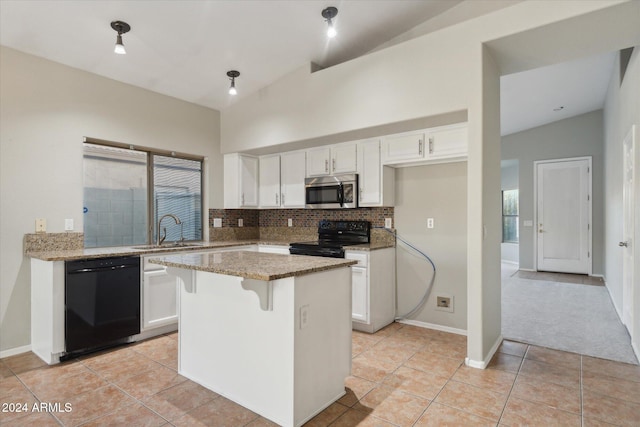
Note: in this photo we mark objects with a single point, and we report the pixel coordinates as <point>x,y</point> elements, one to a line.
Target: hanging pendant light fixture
<point>328,14</point>
<point>121,28</point>
<point>232,75</point>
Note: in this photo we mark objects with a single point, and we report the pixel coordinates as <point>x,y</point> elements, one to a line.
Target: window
<point>127,190</point>
<point>510,232</point>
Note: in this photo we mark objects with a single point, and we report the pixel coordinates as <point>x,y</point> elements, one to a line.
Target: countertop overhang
<point>253,265</point>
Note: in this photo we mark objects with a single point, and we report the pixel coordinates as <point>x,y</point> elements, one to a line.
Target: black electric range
<point>333,237</point>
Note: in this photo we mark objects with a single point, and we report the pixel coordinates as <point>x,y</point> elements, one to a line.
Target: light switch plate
<point>387,223</point>
<point>304,316</point>
<point>240,222</point>
<point>429,222</point>
<point>41,225</point>
<point>68,224</point>
<point>290,222</point>
<point>217,222</point>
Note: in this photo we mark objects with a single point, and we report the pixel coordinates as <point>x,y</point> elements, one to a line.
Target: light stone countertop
<point>253,265</point>
<point>144,250</point>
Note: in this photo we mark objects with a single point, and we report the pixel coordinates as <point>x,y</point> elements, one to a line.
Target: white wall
<point>46,109</point>
<point>438,192</point>
<point>622,109</point>
<point>573,137</point>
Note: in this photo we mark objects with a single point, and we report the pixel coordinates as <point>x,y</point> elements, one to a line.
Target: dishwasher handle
<point>98,269</point>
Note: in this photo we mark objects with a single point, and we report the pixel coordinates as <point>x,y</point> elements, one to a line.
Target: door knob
<point>625,244</point>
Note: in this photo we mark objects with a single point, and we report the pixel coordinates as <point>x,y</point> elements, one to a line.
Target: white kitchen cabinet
<point>240,181</point>
<point>332,160</point>
<point>269,181</point>
<point>373,289</point>
<point>447,142</point>
<point>403,147</point>
<point>282,180</point>
<point>376,181</point>
<point>159,296</point>
<point>292,175</point>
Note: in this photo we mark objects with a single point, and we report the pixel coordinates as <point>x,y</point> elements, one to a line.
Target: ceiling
<point>184,48</point>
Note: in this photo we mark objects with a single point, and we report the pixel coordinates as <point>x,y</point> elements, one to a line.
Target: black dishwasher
<point>102,302</point>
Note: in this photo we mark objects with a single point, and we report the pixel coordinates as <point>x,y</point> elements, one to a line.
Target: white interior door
<point>563,214</point>
<point>628,196</point>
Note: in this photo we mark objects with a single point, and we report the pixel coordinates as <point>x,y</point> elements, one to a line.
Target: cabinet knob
<point>420,147</point>
<point>326,165</point>
<point>333,164</point>
<point>431,145</point>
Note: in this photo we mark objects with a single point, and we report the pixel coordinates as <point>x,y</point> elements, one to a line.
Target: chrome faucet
<point>178,222</point>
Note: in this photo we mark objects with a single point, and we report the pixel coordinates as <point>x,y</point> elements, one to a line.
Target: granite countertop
<point>143,250</point>
<point>253,265</point>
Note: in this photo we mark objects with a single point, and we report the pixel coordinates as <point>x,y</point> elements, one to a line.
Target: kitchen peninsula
<point>271,332</point>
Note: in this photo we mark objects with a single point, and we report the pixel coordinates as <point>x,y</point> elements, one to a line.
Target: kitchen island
<point>270,332</point>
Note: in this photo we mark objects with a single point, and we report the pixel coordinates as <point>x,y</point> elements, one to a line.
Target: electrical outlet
<point>444,302</point>
<point>387,223</point>
<point>217,222</point>
<point>68,224</point>
<point>304,316</point>
<point>429,222</point>
<point>41,225</point>
<point>240,222</point>
<point>290,222</point>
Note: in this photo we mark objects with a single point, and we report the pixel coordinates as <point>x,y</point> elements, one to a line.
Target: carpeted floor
<point>563,316</point>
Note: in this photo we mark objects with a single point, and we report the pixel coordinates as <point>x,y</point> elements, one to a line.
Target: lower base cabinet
<point>159,296</point>
<point>373,289</point>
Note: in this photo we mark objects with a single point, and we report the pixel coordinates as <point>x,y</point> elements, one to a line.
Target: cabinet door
<point>447,142</point>
<point>318,161</point>
<point>369,168</point>
<point>398,148</point>
<point>293,172</point>
<point>344,158</point>
<point>359,294</point>
<point>159,299</point>
<point>269,182</point>
<point>248,181</point>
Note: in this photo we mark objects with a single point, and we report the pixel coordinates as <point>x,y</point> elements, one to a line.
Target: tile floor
<point>402,376</point>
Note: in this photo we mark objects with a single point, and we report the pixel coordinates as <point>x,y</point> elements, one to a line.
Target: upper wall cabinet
<point>240,181</point>
<point>282,180</point>
<point>434,145</point>
<point>336,159</point>
<point>375,180</point>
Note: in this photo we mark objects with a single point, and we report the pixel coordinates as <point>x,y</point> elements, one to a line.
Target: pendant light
<point>121,27</point>
<point>328,14</point>
<point>232,75</point>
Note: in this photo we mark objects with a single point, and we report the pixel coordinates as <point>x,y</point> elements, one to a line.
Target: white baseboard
<point>634,346</point>
<point>506,261</point>
<point>14,351</point>
<point>482,364</point>
<point>528,269</point>
<point>618,310</point>
<point>434,326</point>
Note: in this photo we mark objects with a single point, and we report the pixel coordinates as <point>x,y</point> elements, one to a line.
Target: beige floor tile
<point>608,409</point>
<point>161,349</point>
<point>94,404</point>
<point>612,387</point>
<point>172,335</point>
<point>61,382</point>
<point>132,415</point>
<point>418,383</point>
<point>4,370</point>
<point>367,340</point>
<point>150,382</point>
<point>554,357</point>
<point>35,419</point>
<point>176,401</point>
<point>505,362</point>
<point>327,416</point>
<point>416,331</point>
<point>356,388</point>
<point>353,418</point>
<point>261,422</point>
<point>520,412</point>
<point>218,412</point>
<point>592,422</point>
<point>489,379</point>
<point>121,364</point>
<point>388,354</point>
<point>389,329</point>
<point>23,362</point>
<point>17,397</point>
<point>556,396</point>
<point>372,369</point>
<point>438,415</point>
<point>613,369</point>
<point>447,348</point>
<point>481,402</point>
<point>391,405</point>
<point>551,373</point>
<point>430,362</point>
<point>513,348</point>
<point>406,344</point>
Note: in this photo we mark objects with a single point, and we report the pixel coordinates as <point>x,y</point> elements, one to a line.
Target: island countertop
<point>253,265</point>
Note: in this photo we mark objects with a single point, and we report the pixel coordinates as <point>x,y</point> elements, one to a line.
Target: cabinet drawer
<point>361,257</point>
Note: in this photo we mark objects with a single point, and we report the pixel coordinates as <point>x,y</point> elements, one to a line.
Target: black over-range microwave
<point>332,192</point>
